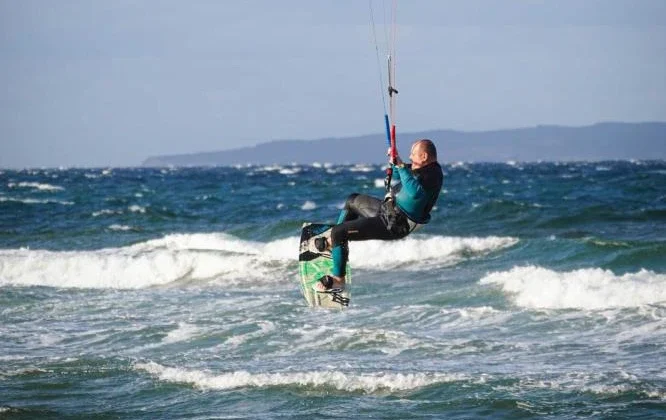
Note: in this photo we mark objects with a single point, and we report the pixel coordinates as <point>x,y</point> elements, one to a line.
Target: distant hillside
<point>604,141</point>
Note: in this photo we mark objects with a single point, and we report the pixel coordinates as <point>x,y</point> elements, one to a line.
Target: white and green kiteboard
<point>314,264</point>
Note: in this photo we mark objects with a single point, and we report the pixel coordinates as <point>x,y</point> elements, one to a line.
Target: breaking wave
<point>367,383</point>
<point>217,257</point>
<point>592,288</point>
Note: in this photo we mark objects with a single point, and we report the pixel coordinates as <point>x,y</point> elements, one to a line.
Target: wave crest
<point>592,288</point>
<point>368,383</point>
<point>217,257</point>
<point>426,250</point>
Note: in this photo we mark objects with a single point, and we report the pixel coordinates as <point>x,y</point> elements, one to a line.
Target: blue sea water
<point>538,290</point>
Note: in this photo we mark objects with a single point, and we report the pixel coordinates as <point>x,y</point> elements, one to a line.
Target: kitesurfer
<point>405,207</point>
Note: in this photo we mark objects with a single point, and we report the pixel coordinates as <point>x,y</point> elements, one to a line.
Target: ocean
<point>537,291</point>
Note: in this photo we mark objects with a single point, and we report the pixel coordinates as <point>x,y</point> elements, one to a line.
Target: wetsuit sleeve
<point>410,184</point>
<point>419,191</point>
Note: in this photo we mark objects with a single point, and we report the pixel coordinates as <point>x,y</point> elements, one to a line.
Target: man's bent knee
<point>350,200</point>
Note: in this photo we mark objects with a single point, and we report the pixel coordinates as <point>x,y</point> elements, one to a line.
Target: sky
<point>110,83</point>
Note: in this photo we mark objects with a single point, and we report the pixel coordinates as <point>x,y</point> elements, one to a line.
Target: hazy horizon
<point>110,84</point>
<point>376,142</point>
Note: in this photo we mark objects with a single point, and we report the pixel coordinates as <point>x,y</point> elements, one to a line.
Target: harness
<point>395,219</point>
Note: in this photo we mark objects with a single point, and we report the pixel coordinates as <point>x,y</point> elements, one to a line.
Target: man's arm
<point>410,184</point>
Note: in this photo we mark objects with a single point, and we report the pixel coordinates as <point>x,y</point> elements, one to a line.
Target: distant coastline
<point>602,141</point>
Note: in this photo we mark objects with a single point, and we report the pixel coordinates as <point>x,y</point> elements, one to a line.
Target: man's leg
<point>361,229</point>
<point>358,221</point>
<point>359,205</point>
<point>356,206</point>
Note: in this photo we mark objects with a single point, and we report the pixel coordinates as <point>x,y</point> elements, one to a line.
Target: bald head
<point>428,147</point>
<point>423,152</point>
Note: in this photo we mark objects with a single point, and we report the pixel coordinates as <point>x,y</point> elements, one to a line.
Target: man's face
<point>418,156</point>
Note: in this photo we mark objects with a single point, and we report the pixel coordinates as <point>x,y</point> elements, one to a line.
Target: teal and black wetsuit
<point>365,217</point>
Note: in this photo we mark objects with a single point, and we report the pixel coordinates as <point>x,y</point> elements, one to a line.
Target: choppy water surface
<point>538,290</point>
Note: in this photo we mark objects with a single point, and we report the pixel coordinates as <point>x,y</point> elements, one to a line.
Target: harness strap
<point>412,224</point>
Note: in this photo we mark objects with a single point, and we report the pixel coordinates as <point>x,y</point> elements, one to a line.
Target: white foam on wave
<point>35,201</point>
<point>265,327</point>
<point>427,250</point>
<point>350,382</point>
<point>219,258</point>
<point>136,209</point>
<point>122,228</point>
<point>361,168</point>
<point>35,185</point>
<point>105,212</point>
<point>197,257</point>
<point>309,205</point>
<point>388,341</point>
<point>600,383</point>
<point>283,170</point>
<point>184,332</point>
<point>270,168</point>
<point>290,171</point>
<point>592,288</point>
<point>434,317</point>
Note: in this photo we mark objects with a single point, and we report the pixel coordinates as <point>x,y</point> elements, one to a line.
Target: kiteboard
<point>313,264</point>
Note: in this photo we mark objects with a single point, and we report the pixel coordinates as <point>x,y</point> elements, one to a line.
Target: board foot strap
<point>338,298</point>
